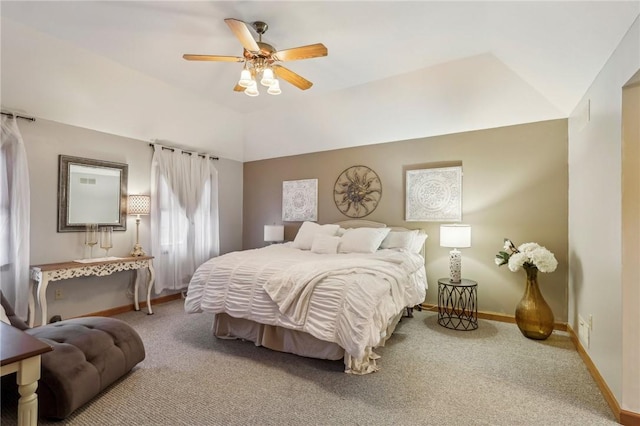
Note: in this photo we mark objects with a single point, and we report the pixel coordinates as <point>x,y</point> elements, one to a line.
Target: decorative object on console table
<point>534,317</point>
<point>106,239</point>
<point>455,236</point>
<point>273,234</point>
<point>458,304</point>
<point>138,205</point>
<point>91,237</point>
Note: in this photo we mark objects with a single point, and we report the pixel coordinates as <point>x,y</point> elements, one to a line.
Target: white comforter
<point>348,299</point>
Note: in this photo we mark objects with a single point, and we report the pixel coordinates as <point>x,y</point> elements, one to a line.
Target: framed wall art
<point>434,195</point>
<point>300,200</point>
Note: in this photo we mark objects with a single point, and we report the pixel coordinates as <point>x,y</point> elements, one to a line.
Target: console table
<point>20,353</point>
<point>41,275</point>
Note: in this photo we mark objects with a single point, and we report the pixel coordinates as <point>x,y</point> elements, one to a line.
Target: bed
<point>336,292</point>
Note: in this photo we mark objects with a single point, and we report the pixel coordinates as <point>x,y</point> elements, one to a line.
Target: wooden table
<point>20,353</point>
<point>43,274</point>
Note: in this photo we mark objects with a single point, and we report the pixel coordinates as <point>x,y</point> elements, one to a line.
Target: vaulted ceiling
<point>395,70</point>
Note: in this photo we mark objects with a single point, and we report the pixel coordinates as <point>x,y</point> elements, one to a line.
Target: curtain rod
<point>10,114</point>
<point>184,152</point>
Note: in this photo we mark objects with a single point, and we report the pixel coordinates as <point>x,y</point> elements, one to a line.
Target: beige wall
<point>514,185</point>
<point>595,221</point>
<point>44,141</point>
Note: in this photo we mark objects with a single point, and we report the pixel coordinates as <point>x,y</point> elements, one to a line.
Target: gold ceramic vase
<point>533,315</point>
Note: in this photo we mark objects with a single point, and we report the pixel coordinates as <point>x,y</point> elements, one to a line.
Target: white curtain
<point>184,215</point>
<point>14,217</point>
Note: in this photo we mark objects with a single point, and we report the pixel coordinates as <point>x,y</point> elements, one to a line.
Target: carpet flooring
<point>429,375</point>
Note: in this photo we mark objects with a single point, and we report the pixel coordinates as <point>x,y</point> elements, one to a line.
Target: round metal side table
<point>458,304</point>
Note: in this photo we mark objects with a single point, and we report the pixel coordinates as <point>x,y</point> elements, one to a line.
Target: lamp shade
<point>245,78</point>
<point>267,77</point>
<point>252,89</point>
<point>273,233</point>
<point>139,204</point>
<point>455,236</point>
<point>274,89</point>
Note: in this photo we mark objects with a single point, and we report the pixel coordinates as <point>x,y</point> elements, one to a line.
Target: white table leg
<point>136,285</point>
<point>31,316</point>
<point>27,378</point>
<point>152,278</point>
<point>42,297</point>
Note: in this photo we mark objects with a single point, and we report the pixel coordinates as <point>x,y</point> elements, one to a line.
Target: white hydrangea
<point>528,247</point>
<point>527,255</point>
<point>532,254</point>
<point>516,261</point>
<point>543,259</point>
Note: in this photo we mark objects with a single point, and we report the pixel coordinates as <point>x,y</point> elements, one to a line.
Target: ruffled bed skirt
<point>297,342</point>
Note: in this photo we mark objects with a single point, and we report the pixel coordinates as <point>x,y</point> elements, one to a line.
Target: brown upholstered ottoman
<point>88,355</point>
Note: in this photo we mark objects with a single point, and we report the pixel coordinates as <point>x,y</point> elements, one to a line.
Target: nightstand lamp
<point>273,234</point>
<point>455,236</point>
<point>138,205</point>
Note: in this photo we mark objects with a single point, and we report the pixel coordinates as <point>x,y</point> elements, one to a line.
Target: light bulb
<point>267,77</point>
<point>274,89</point>
<point>245,78</point>
<point>252,89</point>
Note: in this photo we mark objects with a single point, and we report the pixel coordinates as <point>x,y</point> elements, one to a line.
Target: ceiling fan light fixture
<point>267,77</point>
<point>252,89</point>
<point>274,89</point>
<point>260,60</point>
<point>245,78</point>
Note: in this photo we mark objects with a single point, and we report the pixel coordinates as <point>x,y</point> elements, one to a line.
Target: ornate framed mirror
<point>91,191</point>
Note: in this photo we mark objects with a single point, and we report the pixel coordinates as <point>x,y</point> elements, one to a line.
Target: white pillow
<point>362,240</point>
<point>418,242</point>
<point>3,316</point>
<point>308,231</point>
<point>325,244</point>
<point>399,240</point>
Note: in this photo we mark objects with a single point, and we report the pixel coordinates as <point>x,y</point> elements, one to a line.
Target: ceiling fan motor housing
<point>260,27</point>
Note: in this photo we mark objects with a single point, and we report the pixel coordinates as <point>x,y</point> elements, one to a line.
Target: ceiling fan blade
<point>292,77</point>
<point>242,33</point>
<point>218,58</point>
<point>238,88</point>
<point>302,52</point>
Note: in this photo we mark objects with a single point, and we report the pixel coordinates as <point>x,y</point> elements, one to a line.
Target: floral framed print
<point>434,195</point>
<point>300,200</point>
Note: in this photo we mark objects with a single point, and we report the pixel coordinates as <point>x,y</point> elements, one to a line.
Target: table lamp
<point>138,205</point>
<point>455,236</point>
<point>273,234</point>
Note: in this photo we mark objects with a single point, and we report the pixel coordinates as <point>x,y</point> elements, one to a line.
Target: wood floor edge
<point>602,385</point>
<point>127,308</point>
<point>629,418</point>
<point>494,316</point>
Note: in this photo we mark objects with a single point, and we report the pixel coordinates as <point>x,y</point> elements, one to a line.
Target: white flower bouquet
<point>528,255</point>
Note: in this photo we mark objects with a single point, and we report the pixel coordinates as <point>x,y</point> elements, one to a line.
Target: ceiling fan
<point>260,60</point>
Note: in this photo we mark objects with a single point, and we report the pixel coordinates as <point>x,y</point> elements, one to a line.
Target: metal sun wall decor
<point>300,200</point>
<point>357,191</point>
<point>434,195</point>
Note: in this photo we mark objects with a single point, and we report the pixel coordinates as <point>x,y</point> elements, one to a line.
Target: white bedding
<point>348,299</point>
